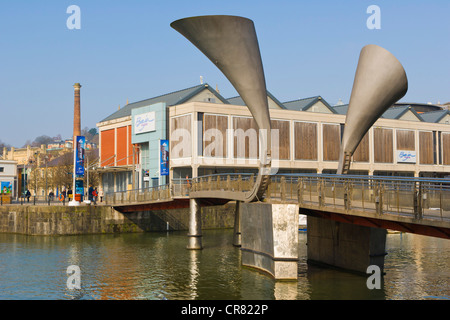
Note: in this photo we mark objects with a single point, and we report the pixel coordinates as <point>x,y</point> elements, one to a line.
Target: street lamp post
<point>46,186</point>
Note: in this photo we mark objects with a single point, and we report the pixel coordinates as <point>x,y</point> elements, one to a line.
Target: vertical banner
<point>79,189</point>
<point>79,164</point>
<point>79,167</point>
<point>164,157</point>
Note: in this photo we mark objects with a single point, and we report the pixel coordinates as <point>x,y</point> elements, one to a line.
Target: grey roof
<point>394,112</point>
<point>434,116</point>
<point>171,99</point>
<point>237,101</point>
<point>306,103</point>
<point>341,109</point>
<point>398,112</point>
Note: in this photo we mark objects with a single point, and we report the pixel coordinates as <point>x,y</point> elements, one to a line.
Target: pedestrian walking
<point>69,194</point>
<point>95,195</point>
<point>90,195</point>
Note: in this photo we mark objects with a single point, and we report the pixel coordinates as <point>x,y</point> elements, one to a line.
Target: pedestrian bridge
<point>416,205</point>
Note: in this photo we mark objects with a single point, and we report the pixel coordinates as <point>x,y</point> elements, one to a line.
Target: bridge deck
<point>405,204</point>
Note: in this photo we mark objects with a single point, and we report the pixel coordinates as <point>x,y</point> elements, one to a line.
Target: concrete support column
<point>270,238</point>
<point>347,246</point>
<point>237,238</point>
<point>195,226</point>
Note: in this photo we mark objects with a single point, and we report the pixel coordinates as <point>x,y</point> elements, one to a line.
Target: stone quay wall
<point>65,220</point>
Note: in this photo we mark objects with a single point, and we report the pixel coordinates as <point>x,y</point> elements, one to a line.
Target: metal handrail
<point>411,196</point>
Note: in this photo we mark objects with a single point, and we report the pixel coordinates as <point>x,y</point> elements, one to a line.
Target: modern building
<point>209,134</point>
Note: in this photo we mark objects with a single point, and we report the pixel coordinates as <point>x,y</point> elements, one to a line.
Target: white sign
<point>406,156</point>
<point>144,122</point>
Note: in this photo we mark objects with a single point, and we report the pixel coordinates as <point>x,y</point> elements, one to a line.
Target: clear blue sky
<point>127,50</point>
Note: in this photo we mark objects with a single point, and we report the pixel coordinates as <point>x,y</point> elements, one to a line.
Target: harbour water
<point>157,266</point>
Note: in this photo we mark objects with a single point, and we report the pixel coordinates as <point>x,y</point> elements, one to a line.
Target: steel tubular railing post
<point>319,192</point>
<point>362,194</point>
<point>334,192</point>
<point>440,200</point>
<point>346,195</point>
<point>300,191</point>
<point>420,202</point>
<point>283,188</point>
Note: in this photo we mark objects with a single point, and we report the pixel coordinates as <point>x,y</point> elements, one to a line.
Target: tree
<point>91,161</point>
<point>3,145</point>
<point>62,171</point>
<point>90,134</point>
<point>42,140</point>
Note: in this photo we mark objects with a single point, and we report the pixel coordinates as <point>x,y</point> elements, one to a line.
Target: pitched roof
<point>398,112</point>
<point>341,109</point>
<point>237,101</point>
<point>171,99</point>
<point>306,103</point>
<point>434,116</point>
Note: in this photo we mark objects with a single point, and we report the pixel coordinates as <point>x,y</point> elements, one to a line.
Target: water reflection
<point>158,266</point>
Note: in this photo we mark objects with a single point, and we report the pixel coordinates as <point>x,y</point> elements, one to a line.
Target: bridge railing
<point>414,197</point>
<point>418,198</point>
<point>237,182</point>
<point>181,187</point>
<point>159,193</point>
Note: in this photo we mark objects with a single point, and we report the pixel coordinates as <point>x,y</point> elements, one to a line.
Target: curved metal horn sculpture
<point>380,81</point>
<point>231,44</point>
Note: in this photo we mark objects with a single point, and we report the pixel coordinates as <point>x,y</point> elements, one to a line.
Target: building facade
<point>208,134</point>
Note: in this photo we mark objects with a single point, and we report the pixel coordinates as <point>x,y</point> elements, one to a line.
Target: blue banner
<point>164,157</point>
<point>79,154</point>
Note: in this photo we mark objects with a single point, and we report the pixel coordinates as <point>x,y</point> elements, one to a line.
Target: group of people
<point>68,194</point>
<point>92,194</point>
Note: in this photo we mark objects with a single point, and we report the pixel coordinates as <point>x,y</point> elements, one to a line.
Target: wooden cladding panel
<point>305,136</point>
<point>215,135</point>
<point>180,137</point>
<point>246,138</point>
<point>122,144</point>
<point>446,148</point>
<point>283,139</point>
<point>406,140</point>
<point>107,138</point>
<point>130,148</point>
<point>331,142</point>
<point>383,145</point>
<point>426,153</point>
<point>361,153</point>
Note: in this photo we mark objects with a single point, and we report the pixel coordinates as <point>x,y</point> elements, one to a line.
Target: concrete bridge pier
<point>195,226</point>
<point>270,238</point>
<point>343,245</point>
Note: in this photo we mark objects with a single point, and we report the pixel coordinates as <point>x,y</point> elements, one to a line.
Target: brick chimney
<point>77,112</point>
